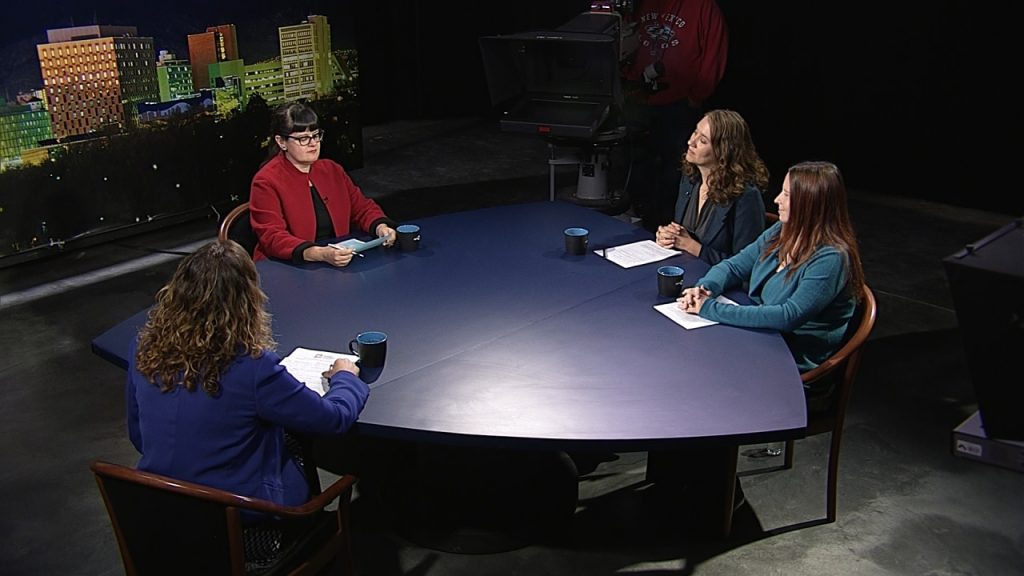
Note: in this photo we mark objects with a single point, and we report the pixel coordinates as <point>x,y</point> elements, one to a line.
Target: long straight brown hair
<point>818,217</point>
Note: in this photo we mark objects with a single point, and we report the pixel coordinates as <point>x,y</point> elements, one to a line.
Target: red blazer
<point>281,207</point>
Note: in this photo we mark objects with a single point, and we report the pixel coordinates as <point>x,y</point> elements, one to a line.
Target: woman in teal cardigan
<point>804,272</point>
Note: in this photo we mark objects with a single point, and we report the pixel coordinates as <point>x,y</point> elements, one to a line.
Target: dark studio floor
<point>906,504</point>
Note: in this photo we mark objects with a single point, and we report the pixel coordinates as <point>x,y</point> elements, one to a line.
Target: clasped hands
<point>673,235</point>
<point>343,256</point>
<point>693,299</point>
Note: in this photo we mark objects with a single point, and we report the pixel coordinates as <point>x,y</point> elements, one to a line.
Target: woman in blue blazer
<point>207,398</point>
<point>804,273</point>
<point>719,209</point>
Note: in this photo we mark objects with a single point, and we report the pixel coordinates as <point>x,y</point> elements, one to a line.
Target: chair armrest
<point>850,350</point>
<point>821,370</point>
<point>315,504</point>
<point>322,500</point>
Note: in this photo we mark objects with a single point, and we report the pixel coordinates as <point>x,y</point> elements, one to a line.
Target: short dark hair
<point>292,117</point>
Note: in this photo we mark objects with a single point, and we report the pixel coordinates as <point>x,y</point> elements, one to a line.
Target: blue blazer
<point>235,441</point>
<point>812,308</point>
<point>731,226</point>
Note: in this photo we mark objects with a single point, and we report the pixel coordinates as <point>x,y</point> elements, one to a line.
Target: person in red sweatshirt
<point>298,200</point>
<point>682,46</point>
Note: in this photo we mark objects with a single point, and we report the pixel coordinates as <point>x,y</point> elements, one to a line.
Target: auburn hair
<point>818,217</point>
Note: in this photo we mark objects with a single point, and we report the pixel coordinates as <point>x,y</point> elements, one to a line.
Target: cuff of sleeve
<point>297,252</point>
<point>715,290</point>
<point>343,378</point>
<point>373,226</point>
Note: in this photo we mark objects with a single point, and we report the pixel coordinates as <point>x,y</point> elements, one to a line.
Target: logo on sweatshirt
<point>660,31</point>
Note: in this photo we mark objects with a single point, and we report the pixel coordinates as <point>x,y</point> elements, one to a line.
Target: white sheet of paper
<point>685,319</point>
<point>308,366</point>
<point>636,253</point>
<point>353,243</point>
<point>358,245</point>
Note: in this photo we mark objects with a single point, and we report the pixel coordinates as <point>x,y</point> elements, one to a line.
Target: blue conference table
<point>498,338</point>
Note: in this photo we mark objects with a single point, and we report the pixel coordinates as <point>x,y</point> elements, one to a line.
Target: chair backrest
<point>236,226</point>
<point>844,362</point>
<point>168,526</point>
<point>770,218</point>
<point>164,528</point>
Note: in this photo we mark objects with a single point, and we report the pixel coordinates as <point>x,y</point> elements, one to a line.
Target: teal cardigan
<point>811,308</point>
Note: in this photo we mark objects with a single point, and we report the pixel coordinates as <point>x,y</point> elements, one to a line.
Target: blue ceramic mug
<point>670,281</point>
<point>371,347</point>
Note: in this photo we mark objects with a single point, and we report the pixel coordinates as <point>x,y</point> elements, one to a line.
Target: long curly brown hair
<point>738,163</point>
<point>210,312</point>
<point>818,217</point>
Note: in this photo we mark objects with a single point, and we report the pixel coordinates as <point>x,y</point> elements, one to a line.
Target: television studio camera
<point>565,85</point>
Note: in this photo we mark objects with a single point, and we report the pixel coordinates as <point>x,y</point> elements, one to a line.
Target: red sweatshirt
<point>690,38</point>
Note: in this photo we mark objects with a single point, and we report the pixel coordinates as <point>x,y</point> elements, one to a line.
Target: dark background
<point>909,100</point>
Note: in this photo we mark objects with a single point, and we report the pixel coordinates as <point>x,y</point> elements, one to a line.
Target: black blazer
<point>731,226</point>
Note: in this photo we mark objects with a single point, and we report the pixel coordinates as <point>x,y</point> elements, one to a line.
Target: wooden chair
<point>770,218</point>
<point>168,526</point>
<point>236,226</point>
<point>827,413</point>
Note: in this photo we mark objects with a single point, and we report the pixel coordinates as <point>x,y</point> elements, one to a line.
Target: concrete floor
<point>906,505</point>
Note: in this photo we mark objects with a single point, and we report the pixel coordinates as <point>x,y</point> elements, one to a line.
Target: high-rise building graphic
<point>22,127</point>
<point>306,58</point>
<point>217,44</point>
<point>95,75</point>
<point>265,79</point>
<point>174,77</point>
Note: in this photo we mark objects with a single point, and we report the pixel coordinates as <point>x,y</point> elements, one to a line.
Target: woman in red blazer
<point>298,200</point>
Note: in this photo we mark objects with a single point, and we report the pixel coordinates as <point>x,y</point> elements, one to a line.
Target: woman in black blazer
<point>720,208</point>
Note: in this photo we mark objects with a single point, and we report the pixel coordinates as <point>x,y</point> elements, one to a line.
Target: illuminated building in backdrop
<point>174,77</point>
<point>266,79</point>
<point>217,44</point>
<point>306,58</point>
<point>94,76</point>
<point>22,126</point>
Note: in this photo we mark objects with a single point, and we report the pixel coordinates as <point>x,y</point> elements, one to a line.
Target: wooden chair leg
<point>833,475</point>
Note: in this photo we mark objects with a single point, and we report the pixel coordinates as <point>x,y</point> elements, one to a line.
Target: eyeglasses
<point>305,140</point>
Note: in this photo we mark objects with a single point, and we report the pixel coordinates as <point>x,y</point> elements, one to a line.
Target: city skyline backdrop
<point>25,26</point>
<point>75,168</point>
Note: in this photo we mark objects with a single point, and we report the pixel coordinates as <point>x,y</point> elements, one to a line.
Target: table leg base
<point>699,483</point>
<point>482,501</point>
